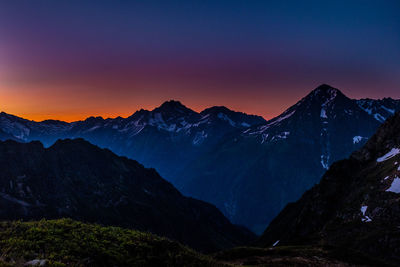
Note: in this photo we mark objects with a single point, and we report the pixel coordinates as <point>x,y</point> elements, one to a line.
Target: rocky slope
<point>356,204</point>
<point>76,179</point>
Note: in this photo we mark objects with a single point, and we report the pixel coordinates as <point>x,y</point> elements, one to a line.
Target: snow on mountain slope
<point>147,136</point>
<point>277,161</point>
<point>355,206</point>
<point>379,109</point>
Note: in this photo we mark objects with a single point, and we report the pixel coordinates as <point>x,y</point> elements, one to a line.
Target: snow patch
<point>389,155</point>
<point>325,104</point>
<point>366,218</point>
<point>264,138</point>
<point>364,209</point>
<point>323,113</point>
<point>224,117</point>
<point>357,139</point>
<point>379,117</point>
<point>93,128</point>
<point>283,135</point>
<point>395,186</point>
<point>199,138</point>
<point>282,117</point>
<point>324,161</point>
<point>391,111</point>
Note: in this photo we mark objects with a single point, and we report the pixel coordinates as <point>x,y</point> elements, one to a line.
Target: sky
<point>72,59</point>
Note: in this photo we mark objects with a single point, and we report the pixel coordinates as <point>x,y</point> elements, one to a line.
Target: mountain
<point>222,156</point>
<point>275,163</point>
<point>165,138</point>
<point>76,179</point>
<point>356,204</point>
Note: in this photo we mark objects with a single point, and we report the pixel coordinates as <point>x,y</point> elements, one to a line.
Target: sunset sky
<point>72,59</point>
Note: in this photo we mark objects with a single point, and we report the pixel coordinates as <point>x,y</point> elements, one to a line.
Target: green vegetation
<point>66,242</point>
<point>70,243</point>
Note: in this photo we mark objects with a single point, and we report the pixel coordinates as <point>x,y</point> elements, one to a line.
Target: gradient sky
<point>72,59</point>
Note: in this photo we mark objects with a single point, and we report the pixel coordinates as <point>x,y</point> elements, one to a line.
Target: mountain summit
<point>172,107</point>
<point>325,89</point>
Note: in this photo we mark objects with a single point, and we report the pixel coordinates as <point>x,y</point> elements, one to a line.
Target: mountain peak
<point>172,103</point>
<point>324,86</point>
<point>217,109</point>
<point>324,95</point>
<point>173,106</point>
<point>325,90</point>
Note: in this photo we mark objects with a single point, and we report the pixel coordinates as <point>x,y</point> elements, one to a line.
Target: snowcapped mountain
<point>276,162</point>
<point>324,113</point>
<point>355,206</point>
<point>165,138</point>
<point>23,130</point>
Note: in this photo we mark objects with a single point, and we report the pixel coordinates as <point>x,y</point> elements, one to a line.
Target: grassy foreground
<point>66,242</point>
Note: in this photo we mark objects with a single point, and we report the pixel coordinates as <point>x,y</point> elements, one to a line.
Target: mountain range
<point>222,156</point>
<point>75,179</point>
<point>276,162</point>
<point>350,218</point>
<point>355,206</point>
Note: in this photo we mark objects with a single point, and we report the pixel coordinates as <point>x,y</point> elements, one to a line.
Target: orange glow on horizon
<point>75,103</point>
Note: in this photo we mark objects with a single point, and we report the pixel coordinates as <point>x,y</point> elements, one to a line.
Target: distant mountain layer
<point>165,138</point>
<point>76,179</point>
<point>222,156</point>
<point>356,204</point>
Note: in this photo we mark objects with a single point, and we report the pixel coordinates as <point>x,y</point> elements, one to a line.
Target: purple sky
<point>71,59</point>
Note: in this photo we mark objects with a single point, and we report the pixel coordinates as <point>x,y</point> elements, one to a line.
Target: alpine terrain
<point>222,156</point>
<point>275,163</point>
<point>355,206</point>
